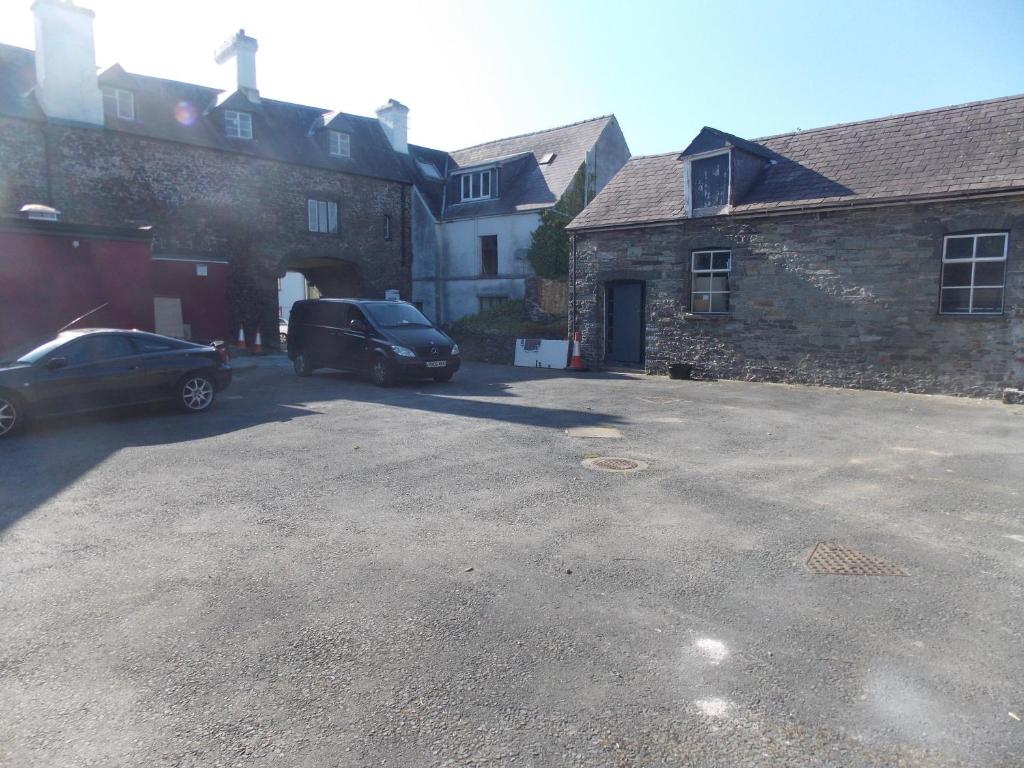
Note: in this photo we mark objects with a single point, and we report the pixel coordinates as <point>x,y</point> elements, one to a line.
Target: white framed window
<point>120,102</point>
<point>339,144</point>
<point>323,216</point>
<point>202,270</point>
<point>973,273</point>
<point>237,125</point>
<point>477,185</point>
<point>709,286</point>
<point>490,302</point>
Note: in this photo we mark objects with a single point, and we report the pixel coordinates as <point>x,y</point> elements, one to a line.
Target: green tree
<point>549,244</point>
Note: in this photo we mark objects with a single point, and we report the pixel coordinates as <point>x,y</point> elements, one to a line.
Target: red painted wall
<point>46,282</point>
<point>204,300</point>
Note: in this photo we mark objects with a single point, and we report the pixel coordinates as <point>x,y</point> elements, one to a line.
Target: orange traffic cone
<point>257,348</point>
<point>576,363</point>
<point>241,337</point>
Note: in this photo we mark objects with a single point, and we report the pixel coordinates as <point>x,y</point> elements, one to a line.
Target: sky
<point>475,71</point>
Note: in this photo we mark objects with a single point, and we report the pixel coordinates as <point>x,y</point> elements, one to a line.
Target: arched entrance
<point>333,278</point>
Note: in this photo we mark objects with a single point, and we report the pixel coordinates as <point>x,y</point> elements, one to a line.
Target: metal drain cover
<point>614,464</point>
<point>828,558</point>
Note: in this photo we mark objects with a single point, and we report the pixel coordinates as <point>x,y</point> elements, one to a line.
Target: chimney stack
<point>66,84</point>
<point>242,49</point>
<point>394,119</point>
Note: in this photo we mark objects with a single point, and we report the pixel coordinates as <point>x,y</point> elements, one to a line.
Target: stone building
<point>223,176</point>
<point>884,254</point>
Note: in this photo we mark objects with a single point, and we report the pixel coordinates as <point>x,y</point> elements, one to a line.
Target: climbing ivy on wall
<point>549,246</point>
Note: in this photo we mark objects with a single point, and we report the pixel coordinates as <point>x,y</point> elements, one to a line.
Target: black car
<point>87,370</point>
<point>388,339</point>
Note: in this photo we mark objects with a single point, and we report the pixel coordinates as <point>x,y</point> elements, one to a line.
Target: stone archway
<point>333,278</point>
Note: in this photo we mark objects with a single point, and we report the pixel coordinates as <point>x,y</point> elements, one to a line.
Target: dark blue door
<point>624,324</point>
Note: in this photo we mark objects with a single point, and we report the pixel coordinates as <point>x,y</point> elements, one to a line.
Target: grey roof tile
<point>960,149</point>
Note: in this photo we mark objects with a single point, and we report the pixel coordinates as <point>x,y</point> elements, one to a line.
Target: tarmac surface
<point>322,573</point>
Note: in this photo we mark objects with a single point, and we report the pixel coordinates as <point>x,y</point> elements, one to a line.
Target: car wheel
<point>11,415</point>
<point>195,393</point>
<point>302,366</point>
<point>382,372</point>
<point>441,378</point>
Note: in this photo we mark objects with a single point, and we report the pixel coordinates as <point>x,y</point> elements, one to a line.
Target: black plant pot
<point>680,371</point>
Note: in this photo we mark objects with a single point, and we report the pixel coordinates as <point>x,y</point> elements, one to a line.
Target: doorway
<point>624,323</point>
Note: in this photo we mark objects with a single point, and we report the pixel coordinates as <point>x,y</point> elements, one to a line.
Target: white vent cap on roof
<point>39,212</point>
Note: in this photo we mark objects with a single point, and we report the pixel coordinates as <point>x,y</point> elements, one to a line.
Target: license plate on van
<point>437,363</point>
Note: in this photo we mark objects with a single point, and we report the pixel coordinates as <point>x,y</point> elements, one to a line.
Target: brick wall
<point>202,202</point>
<point>839,298</point>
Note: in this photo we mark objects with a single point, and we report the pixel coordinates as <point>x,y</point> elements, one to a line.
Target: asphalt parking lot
<point>322,573</point>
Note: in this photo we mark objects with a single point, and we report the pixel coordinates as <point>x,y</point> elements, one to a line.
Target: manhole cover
<point>614,464</point>
<point>834,559</point>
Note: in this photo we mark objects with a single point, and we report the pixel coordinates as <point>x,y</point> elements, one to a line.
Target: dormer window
<point>476,185</point>
<point>237,125</point>
<point>119,102</point>
<point>338,144</point>
<point>709,182</point>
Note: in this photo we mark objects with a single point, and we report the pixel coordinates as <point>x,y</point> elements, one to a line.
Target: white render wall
<point>462,283</point>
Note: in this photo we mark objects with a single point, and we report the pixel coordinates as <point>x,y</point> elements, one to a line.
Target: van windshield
<point>395,315</point>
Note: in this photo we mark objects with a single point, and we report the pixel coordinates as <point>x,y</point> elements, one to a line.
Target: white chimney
<point>242,49</point>
<point>66,83</point>
<point>394,119</point>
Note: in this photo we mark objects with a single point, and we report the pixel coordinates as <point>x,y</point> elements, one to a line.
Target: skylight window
<point>428,169</point>
<point>546,158</point>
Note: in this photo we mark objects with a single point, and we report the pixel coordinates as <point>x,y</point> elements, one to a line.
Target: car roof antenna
<point>82,317</point>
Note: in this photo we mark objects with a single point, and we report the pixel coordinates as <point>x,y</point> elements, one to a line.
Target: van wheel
<point>302,365</point>
<point>382,372</point>
<point>11,415</point>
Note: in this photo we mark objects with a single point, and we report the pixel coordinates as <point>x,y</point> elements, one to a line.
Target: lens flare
<point>185,113</point>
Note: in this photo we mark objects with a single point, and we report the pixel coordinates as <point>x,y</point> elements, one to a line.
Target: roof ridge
<point>534,133</point>
<point>657,154</point>
<point>897,116</point>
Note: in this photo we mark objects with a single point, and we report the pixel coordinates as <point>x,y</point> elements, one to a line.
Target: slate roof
<point>959,150</point>
<point>525,184</point>
<point>192,114</point>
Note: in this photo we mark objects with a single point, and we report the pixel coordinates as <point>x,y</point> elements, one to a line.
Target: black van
<point>388,339</point>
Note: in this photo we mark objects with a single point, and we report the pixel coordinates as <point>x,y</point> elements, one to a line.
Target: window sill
<point>971,315</point>
<point>708,316</point>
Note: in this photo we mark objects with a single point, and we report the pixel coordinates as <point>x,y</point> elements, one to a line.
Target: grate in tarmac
<point>833,559</point>
<point>614,464</point>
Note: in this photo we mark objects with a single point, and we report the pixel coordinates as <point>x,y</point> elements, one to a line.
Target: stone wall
<point>206,203</point>
<point>546,298</point>
<point>846,298</point>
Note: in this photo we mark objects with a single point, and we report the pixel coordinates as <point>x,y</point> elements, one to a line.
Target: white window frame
<point>471,185</point>
<point>322,216</point>
<point>339,144</point>
<point>973,260</point>
<point>237,125</point>
<point>123,102</point>
<point>710,272</point>
<point>688,206</point>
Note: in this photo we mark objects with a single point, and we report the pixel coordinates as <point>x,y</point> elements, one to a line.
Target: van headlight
<point>455,349</point>
<point>402,351</point>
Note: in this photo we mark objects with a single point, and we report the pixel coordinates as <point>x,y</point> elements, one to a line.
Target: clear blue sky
<point>473,71</point>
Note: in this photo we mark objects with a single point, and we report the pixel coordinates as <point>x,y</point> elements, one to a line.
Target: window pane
<point>958,273</point>
<point>710,181</point>
<point>701,283</point>
<point>988,300</point>
<point>465,187</point>
<point>475,178</point>
<point>245,125</point>
<point>332,217</point>
<point>701,302</point>
<point>322,214</point>
<point>231,123</point>
<point>988,272</point>
<point>702,261</point>
<point>721,260</point>
<point>311,210</point>
<point>991,247</point>
<point>485,184</point>
<point>719,302</point>
<point>955,299</point>
<point>959,247</point>
<point>720,283</point>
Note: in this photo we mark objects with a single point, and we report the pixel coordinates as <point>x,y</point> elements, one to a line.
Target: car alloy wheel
<point>382,373</point>
<point>197,393</point>
<point>8,416</point>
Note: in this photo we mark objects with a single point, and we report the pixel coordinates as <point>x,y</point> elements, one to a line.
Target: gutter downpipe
<point>442,260</point>
<point>572,300</point>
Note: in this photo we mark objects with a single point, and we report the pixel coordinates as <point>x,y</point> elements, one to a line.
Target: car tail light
<point>222,353</point>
